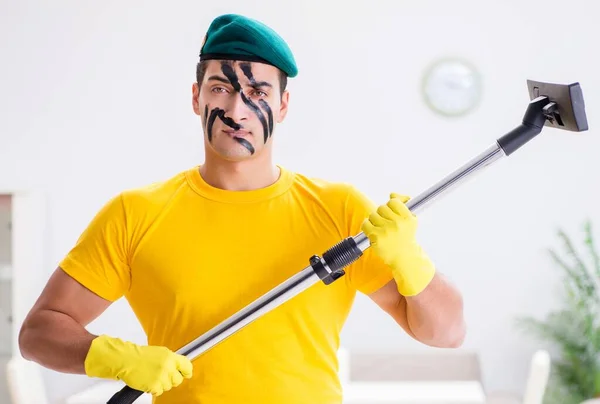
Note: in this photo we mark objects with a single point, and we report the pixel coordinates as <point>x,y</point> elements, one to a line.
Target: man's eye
<point>219,90</point>
<point>260,93</point>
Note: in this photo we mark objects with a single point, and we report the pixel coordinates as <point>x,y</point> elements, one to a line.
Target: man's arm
<point>53,333</point>
<point>433,317</point>
<point>421,300</point>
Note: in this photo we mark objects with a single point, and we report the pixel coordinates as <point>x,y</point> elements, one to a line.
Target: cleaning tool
<point>559,106</point>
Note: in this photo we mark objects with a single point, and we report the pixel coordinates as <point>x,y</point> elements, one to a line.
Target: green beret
<point>236,37</point>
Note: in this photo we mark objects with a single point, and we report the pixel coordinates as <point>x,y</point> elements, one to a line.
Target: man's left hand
<point>391,230</point>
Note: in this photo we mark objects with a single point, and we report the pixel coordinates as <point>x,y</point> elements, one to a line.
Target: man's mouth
<point>237,133</point>
<point>241,137</point>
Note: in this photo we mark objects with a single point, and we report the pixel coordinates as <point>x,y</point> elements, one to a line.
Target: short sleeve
<point>369,273</point>
<point>99,258</point>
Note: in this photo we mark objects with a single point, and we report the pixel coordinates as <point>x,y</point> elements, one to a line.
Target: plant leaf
<point>574,329</point>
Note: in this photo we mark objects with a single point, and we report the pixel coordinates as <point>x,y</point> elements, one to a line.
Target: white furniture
<point>437,365</point>
<point>460,392</point>
<point>25,382</point>
<point>539,373</point>
<point>535,386</point>
<point>426,392</point>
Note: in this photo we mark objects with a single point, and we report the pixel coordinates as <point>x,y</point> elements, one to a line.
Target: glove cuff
<point>413,272</point>
<point>104,357</point>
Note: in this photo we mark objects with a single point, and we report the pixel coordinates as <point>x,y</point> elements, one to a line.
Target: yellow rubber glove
<point>151,369</point>
<point>391,230</point>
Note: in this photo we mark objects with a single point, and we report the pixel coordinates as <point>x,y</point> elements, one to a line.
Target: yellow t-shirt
<point>187,255</point>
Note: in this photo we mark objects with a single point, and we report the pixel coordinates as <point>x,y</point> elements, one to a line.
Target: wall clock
<point>451,87</point>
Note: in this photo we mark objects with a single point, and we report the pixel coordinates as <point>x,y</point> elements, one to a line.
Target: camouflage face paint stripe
<point>232,77</point>
<point>247,69</point>
<point>218,112</point>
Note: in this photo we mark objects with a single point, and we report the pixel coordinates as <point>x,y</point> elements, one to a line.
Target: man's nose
<point>238,110</point>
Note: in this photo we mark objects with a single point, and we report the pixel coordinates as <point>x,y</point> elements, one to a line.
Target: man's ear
<point>283,109</point>
<point>195,101</point>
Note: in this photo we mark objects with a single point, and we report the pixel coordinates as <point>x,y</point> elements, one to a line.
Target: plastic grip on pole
<point>126,395</point>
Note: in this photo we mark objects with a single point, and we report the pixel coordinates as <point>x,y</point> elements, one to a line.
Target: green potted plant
<point>573,331</point>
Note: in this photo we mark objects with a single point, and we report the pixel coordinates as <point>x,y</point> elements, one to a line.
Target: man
<point>193,250</point>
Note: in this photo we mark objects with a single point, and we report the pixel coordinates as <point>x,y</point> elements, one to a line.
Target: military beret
<point>233,36</point>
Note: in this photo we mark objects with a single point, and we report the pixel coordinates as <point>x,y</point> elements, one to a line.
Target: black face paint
<point>247,69</point>
<point>218,112</point>
<point>228,121</point>
<point>232,77</point>
<point>246,144</point>
<point>267,108</point>
<point>210,122</point>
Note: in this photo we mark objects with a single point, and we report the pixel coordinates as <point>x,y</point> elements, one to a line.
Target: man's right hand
<point>151,369</point>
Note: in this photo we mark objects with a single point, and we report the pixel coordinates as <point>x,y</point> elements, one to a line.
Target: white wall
<point>96,98</point>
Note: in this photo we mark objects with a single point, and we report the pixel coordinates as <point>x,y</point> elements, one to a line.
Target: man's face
<point>239,104</point>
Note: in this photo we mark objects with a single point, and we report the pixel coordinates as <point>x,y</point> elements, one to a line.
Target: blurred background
<point>391,96</point>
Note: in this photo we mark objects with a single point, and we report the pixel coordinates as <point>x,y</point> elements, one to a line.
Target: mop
<point>559,106</point>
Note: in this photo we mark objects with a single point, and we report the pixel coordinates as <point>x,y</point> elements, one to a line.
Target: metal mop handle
<point>331,265</point>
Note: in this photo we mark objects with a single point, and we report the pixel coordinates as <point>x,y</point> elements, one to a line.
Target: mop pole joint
<point>331,266</point>
<point>538,111</point>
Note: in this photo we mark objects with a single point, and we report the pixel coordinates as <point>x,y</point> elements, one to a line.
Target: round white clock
<point>451,87</point>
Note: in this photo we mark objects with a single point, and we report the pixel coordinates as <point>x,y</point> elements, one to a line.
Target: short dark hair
<point>201,71</point>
